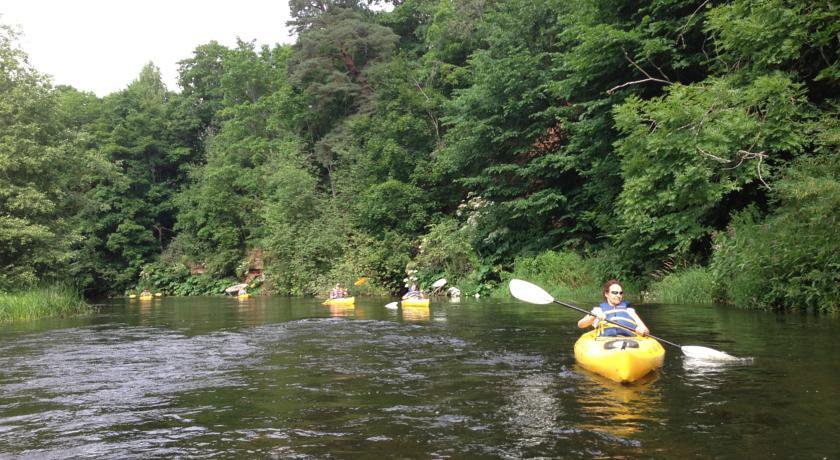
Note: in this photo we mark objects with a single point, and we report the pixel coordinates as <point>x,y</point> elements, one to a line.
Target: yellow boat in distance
<point>243,296</point>
<point>146,297</point>
<point>341,301</point>
<point>620,359</point>
<point>415,302</point>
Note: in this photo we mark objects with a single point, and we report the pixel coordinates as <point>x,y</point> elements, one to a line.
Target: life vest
<point>413,294</point>
<point>617,314</point>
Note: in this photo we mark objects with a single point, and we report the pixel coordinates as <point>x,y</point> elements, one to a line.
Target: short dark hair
<point>610,283</point>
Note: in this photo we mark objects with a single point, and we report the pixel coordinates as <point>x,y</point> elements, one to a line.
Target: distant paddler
<point>338,292</point>
<point>414,292</point>
<point>339,296</point>
<point>234,290</point>
<point>415,297</point>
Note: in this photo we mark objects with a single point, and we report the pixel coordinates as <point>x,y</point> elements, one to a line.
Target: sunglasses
<point>617,292</point>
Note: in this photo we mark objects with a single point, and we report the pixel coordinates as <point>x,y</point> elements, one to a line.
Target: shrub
<point>693,285</point>
<point>791,258</point>
<point>446,251</point>
<point>563,274</point>
<point>175,279</point>
<point>391,205</point>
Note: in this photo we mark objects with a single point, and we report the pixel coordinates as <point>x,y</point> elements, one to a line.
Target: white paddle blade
<point>439,283</point>
<point>392,305</point>
<point>707,354</point>
<point>529,292</point>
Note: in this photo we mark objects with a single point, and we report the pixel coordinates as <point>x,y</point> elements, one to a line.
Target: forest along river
<point>291,378</point>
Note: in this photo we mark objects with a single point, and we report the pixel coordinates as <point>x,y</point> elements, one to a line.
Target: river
<point>290,378</point>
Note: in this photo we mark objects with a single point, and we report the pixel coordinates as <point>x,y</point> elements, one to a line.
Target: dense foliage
<point>687,146</point>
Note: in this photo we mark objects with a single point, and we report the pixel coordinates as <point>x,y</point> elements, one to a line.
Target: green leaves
<point>792,257</point>
<point>391,205</point>
<point>684,154</point>
<point>41,172</point>
<point>775,34</point>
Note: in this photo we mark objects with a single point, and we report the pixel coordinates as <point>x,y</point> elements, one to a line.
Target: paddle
<point>531,293</point>
<point>437,284</point>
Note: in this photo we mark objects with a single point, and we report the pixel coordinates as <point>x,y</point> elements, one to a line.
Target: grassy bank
<point>57,300</point>
<point>565,275</point>
<point>692,285</point>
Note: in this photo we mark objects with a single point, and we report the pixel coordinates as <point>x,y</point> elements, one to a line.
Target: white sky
<point>101,46</point>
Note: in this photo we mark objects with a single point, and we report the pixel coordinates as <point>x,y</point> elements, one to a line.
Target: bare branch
<point>612,90</point>
<point>660,71</point>
<point>758,169</point>
<point>683,29</point>
<point>432,117</point>
<point>743,155</point>
<point>631,61</point>
<point>714,157</point>
<point>649,77</point>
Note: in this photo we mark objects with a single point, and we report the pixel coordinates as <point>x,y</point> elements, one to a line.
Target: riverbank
<point>41,302</point>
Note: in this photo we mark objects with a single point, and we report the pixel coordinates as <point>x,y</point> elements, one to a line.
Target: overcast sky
<point>101,46</point>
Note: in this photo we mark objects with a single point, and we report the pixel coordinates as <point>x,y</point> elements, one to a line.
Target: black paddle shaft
<point>585,312</point>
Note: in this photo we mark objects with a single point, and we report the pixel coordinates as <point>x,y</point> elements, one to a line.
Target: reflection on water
<point>415,313</point>
<point>342,311</point>
<point>616,409</point>
<point>710,374</point>
<point>278,377</point>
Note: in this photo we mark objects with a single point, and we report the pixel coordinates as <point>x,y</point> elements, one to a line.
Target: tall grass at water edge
<point>565,275</point>
<point>55,300</point>
<point>692,285</point>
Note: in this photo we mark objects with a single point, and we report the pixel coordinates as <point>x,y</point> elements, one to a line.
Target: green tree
<point>690,156</point>
<point>135,213</point>
<point>45,167</point>
<point>221,214</point>
<point>392,205</point>
<point>791,258</point>
<point>330,62</point>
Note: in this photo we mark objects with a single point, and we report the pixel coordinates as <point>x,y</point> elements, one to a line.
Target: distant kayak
<point>415,302</point>
<point>146,297</point>
<point>621,359</point>
<point>243,296</point>
<point>340,301</point>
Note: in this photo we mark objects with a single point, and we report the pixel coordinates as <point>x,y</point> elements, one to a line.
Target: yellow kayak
<point>146,297</point>
<point>341,301</point>
<point>621,359</point>
<point>415,302</point>
<point>243,296</point>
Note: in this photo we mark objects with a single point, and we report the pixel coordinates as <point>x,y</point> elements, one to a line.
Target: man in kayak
<point>413,293</point>
<point>616,310</point>
<point>338,292</point>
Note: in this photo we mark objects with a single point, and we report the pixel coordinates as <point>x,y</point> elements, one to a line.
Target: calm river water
<point>290,378</point>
